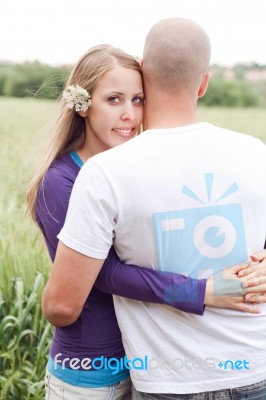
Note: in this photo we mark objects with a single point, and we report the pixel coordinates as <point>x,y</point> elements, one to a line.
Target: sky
<point>60,31</point>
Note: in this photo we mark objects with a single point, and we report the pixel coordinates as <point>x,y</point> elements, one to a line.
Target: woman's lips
<point>124,132</point>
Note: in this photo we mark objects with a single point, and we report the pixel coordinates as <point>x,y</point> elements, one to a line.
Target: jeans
<point>256,391</point>
<point>55,389</point>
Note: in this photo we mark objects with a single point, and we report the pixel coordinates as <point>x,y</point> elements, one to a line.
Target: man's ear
<point>204,84</point>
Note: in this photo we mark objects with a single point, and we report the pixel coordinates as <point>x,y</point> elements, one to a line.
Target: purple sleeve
<point>51,206</point>
<point>143,284</point>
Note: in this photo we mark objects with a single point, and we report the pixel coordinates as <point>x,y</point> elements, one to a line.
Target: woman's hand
<point>254,278</point>
<point>224,290</point>
<point>239,287</point>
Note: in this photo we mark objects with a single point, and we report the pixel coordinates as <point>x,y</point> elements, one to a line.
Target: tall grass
<point>24,264</point>
<point>22,134</point>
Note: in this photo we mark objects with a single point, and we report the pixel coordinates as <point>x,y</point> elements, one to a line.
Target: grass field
<point>251,121</point>
<point>24,265</point>
<point>24,335</point>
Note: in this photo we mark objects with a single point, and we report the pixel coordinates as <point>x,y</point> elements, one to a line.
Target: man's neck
<point>163,123</point>
<point>167,112</point>
<point>169,121</point>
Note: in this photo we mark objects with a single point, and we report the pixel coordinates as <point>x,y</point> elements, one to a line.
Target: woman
<point>101,107</point>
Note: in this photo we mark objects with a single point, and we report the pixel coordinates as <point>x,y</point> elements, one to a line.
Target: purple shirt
<point>96,332</point>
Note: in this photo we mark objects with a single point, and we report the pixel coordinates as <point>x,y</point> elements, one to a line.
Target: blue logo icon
<point>206,237</point>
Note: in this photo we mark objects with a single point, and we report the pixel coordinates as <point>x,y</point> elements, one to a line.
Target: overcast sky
<point>60,31</point>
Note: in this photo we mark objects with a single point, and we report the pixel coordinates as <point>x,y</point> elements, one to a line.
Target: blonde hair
<point>69,127</point>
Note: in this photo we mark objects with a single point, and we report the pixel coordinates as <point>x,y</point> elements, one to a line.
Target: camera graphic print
<point>209,237</point>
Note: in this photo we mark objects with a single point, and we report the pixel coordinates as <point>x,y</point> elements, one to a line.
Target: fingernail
<point>244,285</point>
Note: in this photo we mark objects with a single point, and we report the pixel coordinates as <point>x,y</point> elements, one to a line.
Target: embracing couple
<point>166,222</point>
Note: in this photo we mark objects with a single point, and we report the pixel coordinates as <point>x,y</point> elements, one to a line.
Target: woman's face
<point>116,111</point>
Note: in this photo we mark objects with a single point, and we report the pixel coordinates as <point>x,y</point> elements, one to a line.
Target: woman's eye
<point>137,100</point>
<point>114,99</point>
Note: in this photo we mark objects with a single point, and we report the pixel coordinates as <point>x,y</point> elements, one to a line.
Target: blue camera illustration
<point>198,239</point>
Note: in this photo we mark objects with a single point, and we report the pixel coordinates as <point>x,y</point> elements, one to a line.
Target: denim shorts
<point>55,389</point>
<point>256,391</point>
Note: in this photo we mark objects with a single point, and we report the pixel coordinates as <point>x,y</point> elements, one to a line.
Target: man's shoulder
<point>237,136</point>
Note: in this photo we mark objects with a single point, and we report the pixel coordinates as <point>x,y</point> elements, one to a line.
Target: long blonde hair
<point>69,127</point>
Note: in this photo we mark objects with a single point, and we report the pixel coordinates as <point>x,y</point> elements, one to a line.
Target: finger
<point>259,256</point>
<point>251,278</point>
<point>256,297</point>
<point>255,289</point>
<point>240,267</point>
<point>237,268</point>
<point>249,308</point>
<point>247,271</point>
<point>255,258</point>
<point>253,271</point>
<point>261,264</point>
<point>257,280</point>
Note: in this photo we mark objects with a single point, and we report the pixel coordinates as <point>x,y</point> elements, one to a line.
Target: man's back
<point>190,200</point>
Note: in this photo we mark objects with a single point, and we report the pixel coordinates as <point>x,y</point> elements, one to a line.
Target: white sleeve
<point>91,216</point>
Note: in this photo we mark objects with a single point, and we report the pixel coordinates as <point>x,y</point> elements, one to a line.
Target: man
<point>189,197</point>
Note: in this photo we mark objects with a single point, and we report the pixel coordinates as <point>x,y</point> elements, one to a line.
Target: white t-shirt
<point>190,200</point>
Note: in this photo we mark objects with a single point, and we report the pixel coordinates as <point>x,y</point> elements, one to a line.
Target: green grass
<point>24,264</point>
<point>251,121</point>
<point>22,125</point>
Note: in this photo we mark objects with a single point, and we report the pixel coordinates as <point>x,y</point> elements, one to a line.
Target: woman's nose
<point>128,112</point>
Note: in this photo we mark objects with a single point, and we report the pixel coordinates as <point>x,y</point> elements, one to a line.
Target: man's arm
<point>73,275</point>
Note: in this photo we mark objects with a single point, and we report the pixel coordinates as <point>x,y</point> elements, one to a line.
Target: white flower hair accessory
<point>77,97</point>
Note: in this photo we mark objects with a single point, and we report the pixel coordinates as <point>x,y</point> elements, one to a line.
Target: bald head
<point>176,55</point>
